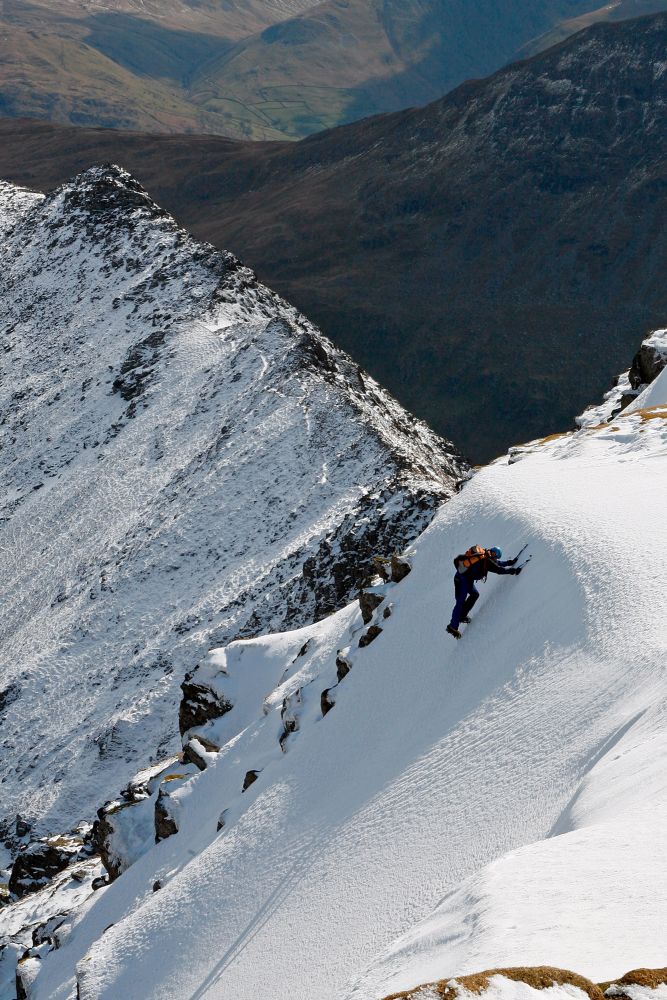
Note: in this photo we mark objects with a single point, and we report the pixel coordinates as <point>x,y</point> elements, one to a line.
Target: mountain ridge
<point>185,456</point>
<point>532,187</point>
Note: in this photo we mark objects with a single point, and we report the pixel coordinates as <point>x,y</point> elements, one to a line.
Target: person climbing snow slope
<point>473,565</point>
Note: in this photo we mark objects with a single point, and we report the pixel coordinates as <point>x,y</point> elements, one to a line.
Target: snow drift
<point>459,806</point>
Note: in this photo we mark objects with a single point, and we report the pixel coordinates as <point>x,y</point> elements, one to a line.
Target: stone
<point>102,837</point>
<point>647,364</point>
<point>194,752</point>
<point>250,779</point>
<point>369,602</point>
<point>39,863</point>
<point>23,827</point>
<point>370,636</point>
<point>400,568</point>
<point>326,701</point>
<point>200,704</point>
<point>165,824</point>
<point>343,667</point>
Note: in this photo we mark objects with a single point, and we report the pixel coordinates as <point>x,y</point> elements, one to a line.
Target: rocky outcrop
<point>369,601</point>
<point>40,862</point>
<point>104,830</point>
<point>250,779</point>
<point>370,636</point>
<point>200,704</point>
<point>343,666</point>
<point>165,823</point>
<point>194,752</point>
<point>648,362</point>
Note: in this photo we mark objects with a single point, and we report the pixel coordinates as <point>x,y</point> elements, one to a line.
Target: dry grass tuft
<point>652,978</point>
<point>540,977</point>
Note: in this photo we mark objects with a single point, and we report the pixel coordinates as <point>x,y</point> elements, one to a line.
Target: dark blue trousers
<point>466,595</point>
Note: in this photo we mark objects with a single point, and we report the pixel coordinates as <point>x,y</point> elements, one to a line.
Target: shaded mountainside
<point>186,458</point>
<point>492,258</point>
<point>260,69</point>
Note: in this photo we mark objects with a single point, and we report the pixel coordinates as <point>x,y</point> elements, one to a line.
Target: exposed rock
<point>647,364</point>
<point>388,611</point>
<point>400,567</point>
<point>327,702</point>
<point>99,882</point>
<point>46,933</point>
<point>369,602</point>
<point>368,637</point>
<point>343,667</point>
<point>250,779</point>
<point>103,831</point>
<point>22,826</point>
<point>199,705</point>
<point>289,715</point>
<point>165,824</point>
<point>40,862</point>
<point>157,885</point>
<point>196,753</point>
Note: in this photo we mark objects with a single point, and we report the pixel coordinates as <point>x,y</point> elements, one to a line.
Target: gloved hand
<point>515,572</point>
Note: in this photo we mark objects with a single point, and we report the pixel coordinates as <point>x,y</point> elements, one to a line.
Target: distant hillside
<point>259,69</point>
<point>491,259</point>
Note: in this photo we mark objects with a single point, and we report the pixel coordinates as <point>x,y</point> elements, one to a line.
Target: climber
<point>474,565</point>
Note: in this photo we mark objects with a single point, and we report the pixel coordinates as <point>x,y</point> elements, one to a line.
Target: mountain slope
<point>514,778</point>
<point>492,258</point>
<point>185,459</point>
<point>252,68</point>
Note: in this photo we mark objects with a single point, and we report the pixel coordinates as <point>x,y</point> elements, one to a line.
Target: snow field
<point>463,806</point>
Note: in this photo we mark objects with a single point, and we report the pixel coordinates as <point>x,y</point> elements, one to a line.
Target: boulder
<point>250,779</point>
<point>370,636</point>
<point>104,829</point>
<point>194,752</point>
<point>647,364</point>
<point>40,862</point>
<point>200,704</point>
<point>369,601</point>
<point>165,823</point>
<point>326,701</point>
<point>343,666</point>
<point>289,716</point>
<point>400,568</point>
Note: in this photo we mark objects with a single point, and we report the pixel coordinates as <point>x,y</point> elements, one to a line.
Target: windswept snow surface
<point>185,459</point>
<point>465,805</point>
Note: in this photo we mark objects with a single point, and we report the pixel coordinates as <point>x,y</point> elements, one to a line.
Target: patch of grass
<point>651,978</point>
<point>539,977</point>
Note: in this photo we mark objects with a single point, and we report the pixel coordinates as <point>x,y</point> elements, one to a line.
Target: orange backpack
<point>474,555</point>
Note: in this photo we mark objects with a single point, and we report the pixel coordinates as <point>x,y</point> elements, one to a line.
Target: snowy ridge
<point>463,806</point>
<point>186,460</point>
<point>649,361</point>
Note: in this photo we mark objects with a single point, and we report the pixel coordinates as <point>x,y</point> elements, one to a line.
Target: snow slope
<point>496,801</point>
<point>185,460</point>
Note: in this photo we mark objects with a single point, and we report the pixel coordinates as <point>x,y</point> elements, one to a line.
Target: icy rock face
<point>649,361</point>
<point>40,862</point>
<point>186,460</point>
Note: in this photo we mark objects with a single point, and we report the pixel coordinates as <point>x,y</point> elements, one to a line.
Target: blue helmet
<point>496,552</point>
